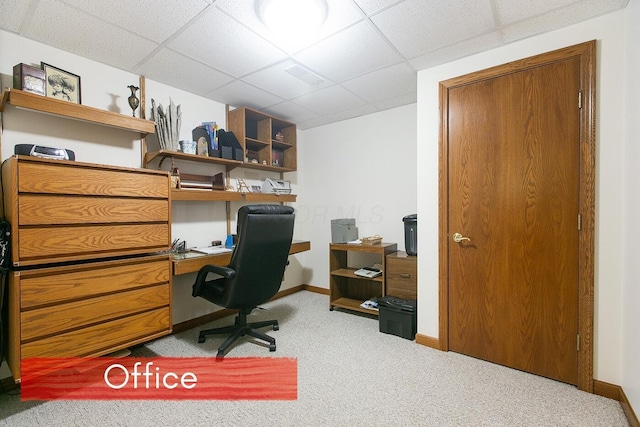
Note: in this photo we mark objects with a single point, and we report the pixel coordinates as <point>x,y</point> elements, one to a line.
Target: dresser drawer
<point>39,245</point>
<point>39,210</point>
<point>402,276</point>
<point>60,318</point>
<point>59,177</point>
<point>103,337</point>
<point>54,285</point>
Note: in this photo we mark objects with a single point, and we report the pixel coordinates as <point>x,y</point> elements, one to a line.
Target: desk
<point>191,262</point>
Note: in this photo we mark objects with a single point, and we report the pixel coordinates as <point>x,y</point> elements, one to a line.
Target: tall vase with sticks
<point>133,99</point>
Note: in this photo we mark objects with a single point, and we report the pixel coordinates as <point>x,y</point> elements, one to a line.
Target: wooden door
<point>513,193</point>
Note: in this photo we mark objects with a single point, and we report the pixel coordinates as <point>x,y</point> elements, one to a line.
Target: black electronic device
<point>44,152</point>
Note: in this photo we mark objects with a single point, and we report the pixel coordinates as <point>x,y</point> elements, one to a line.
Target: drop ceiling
<point>366,54</point>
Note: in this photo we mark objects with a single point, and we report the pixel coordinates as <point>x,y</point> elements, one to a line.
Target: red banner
<point>159,378</point>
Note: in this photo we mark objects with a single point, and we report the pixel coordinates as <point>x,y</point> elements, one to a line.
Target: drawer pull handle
<point>405,276</point>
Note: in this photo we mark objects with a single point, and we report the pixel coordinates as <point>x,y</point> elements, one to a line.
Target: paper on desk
<point>211,250</point>
<point>354,242</point>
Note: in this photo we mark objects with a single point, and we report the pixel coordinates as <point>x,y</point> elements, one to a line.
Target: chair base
<point>240,329</point>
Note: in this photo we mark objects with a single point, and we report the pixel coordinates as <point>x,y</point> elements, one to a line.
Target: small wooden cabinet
<point>402,275</point>
<point>267,139</point>
<point>348,290</point>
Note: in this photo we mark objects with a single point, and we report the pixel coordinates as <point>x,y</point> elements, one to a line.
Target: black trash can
<point>411,234</point>
<point>398,316</point>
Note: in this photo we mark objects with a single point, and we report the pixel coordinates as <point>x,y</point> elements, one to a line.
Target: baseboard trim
<point>616,392</point>
<point>315,289</point>
<point>428,341</point>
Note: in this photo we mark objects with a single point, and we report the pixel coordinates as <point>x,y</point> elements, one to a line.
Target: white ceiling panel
<point>458,50</point>
<point>417,26</point>
<point>171,68</point>
<point>220,41</point>
<point>292,112</point>
<point>154,19</point>
<point>398,101</point>
<point>329,100</point>
<point>372,6</point>
<point>557,18</point>
<point>341,15</point>
<point>349,53</point>
<point>112,45</point>
<point>276,79</point>
<point>13,13</point>
<point>510,11</point>
<point>367,51</point>
<point>401,80</point>
<point>241,94</point>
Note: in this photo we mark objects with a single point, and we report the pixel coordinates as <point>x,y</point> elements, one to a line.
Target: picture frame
<point>61,84</point>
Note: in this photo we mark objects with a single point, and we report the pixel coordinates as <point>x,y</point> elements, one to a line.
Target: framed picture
<point>61,84</point>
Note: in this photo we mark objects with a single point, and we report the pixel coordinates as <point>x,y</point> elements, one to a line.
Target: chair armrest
<point>225,272</point>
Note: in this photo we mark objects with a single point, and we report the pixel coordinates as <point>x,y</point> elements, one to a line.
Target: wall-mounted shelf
<point>60,108</point>
<point>197,195</point>
<point>229,164</point>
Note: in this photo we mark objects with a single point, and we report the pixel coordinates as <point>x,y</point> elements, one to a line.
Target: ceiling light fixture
<point>292,18</point>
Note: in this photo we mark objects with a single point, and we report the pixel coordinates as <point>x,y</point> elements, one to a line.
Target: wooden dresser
<point>90,270</point>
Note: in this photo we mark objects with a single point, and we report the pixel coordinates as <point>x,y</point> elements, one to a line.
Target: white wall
<point>362,168</point>
<point>608,30</point>
<point>630,367</point>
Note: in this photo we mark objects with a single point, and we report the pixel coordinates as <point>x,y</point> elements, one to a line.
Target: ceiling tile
<point>329,100</point>
<point>558,18</point>
<point>417,26</point>
<point>12,14</point>
<point>398,80</point>
<point>372,6</point>
<point>276,80</point>
<point>154,19</point>
<point>510,11</point>
<point>362,110</point>
<point>114,46</point>
<point>398,101</point>
<point>241,94</point>
<point>341,14</point>
<point>220,41</point>
<point>290,111</point>
<point>457,51</point>
<point>181,72</point>
<point>354,51</point>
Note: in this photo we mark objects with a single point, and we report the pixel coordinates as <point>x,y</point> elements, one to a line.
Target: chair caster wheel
<point>272,347</point>
<point>276,327</point>
<point>331,308</point>
<point>201,339</point>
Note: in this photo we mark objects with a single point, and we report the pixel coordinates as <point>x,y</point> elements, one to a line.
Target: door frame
<point>586,52</point>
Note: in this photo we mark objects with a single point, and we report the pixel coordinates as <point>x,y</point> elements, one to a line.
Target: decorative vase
<point>133,99</point>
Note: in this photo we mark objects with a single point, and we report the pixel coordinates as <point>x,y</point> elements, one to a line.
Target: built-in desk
<point>191,262</point>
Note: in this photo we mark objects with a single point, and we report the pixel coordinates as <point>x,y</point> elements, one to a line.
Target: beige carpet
<point>349,374</point>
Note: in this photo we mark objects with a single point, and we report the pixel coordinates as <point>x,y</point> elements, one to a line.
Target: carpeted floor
<point>349,374</point>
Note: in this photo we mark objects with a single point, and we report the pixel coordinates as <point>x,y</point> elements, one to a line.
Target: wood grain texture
<point>530,211</point>
<point>37,209</point>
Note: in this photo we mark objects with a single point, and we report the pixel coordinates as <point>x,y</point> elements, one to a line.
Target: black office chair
<point>254,273</point>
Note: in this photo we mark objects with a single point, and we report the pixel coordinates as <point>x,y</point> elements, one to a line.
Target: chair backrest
<point>260,256</point>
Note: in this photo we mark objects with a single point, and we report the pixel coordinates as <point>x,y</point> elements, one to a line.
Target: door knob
<point>457,237</point>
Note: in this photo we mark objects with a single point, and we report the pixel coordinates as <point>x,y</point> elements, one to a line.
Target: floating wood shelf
<point>60,108</point>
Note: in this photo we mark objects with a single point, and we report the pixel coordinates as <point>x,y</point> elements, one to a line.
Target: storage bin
<point>411,234</point>
<point>398,316</point>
